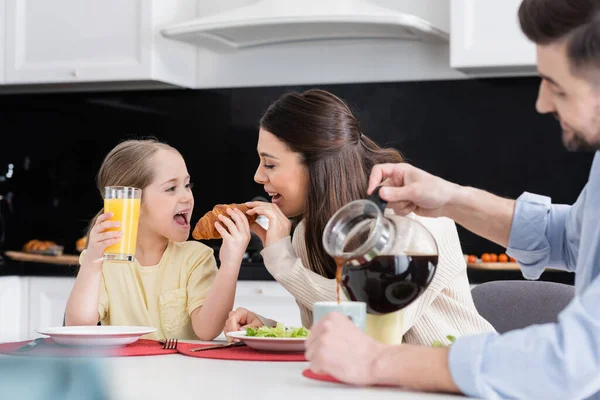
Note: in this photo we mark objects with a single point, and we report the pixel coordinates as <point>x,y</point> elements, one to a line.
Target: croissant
<point>205,227</point>
<point>38,245</point>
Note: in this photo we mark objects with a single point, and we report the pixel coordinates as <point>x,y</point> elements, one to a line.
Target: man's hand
<point>335,346</point>
<point>408,189</point>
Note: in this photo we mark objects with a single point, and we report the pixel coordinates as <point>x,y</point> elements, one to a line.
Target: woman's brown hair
<point>322,129</point>
<point>128,164</point>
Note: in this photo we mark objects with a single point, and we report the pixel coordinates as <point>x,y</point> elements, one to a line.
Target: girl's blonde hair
<point>128,164</point>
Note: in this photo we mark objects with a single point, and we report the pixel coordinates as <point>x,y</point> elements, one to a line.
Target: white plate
<point>270,343</point>
<point>96,335</point>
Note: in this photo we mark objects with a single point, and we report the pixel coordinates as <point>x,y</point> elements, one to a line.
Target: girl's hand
<point>279,225</point>
<point>239,320</point>
<point>236,236</point>
<point>102,235</point>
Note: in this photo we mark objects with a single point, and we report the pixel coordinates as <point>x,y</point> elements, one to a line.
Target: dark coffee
<point>389,283</point>
<point>339,262</point>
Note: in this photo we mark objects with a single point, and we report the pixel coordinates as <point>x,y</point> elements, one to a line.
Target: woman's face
<point>282,173</point>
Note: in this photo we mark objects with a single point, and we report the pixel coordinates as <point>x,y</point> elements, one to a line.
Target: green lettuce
<point>438,343</point>
<point>280,331</point>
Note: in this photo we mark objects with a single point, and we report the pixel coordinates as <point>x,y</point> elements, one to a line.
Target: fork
<point>170,344</point>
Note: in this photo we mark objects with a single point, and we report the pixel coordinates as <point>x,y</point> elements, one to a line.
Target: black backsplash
<point>484,133</point>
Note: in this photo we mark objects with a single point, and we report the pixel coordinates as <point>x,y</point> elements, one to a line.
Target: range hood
<point>242,43</point>
<point>280,22</point>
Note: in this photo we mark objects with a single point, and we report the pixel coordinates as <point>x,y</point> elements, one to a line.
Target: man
<point>547,361</point>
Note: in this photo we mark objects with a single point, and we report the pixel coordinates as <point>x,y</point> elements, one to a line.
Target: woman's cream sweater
<point>445,308</point>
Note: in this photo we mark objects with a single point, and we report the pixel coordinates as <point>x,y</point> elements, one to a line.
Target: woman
<point>313,160</point>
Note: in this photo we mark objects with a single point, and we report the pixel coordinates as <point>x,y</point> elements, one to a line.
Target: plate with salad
<point>279,338</point>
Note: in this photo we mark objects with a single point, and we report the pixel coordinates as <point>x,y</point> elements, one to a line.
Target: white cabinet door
<point>72,41</point>
<point>47,301</point>
<point>269,299</point>
<point>69,40</point>
<point>2,38</point>
<point>486,38</point>
<point>13,308</point>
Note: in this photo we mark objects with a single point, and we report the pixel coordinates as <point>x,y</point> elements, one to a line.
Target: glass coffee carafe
<point>385,261</point>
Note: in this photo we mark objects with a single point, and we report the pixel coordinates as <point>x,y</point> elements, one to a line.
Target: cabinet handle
<point>259,291</point>
<point>74,73</point>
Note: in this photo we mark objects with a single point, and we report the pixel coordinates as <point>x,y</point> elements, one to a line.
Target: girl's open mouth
<point>182,218</point>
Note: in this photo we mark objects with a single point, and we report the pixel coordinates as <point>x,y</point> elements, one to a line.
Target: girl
<point>313,160</point>
<point>173,284</point>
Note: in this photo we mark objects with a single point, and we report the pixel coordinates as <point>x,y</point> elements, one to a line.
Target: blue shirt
<point>549,361</point>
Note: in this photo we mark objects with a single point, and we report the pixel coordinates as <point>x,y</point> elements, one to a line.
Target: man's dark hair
<point>576,21</point>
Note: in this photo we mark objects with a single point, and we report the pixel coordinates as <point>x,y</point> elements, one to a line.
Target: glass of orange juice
<point>124,202</point>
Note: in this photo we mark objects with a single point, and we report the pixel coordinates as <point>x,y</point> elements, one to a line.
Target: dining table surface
<point>178,377</point>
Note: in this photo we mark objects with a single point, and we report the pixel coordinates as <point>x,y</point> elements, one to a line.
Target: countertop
<point>8,267</point>
<point>481,276</point>
<point>258,272</point>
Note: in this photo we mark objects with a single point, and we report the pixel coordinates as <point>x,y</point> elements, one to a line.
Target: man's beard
<point>576,142</point>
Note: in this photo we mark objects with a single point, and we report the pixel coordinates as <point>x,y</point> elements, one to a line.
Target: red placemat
<point>244,353</point>
<point>142,347</point>
<point>328,378</point>
<point>308,373</point>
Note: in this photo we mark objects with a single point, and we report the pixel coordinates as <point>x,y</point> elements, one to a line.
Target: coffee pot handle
<point>375,198</point>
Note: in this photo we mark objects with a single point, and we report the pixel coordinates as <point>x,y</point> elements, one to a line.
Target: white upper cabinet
<point>2,33</point>
<point>74,42</point>
<point>137,44</point>
<point>486,39</point>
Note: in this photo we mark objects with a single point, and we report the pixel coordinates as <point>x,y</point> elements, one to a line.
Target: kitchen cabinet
<point>13,308</point>
<point>2,34</point>
<point>486,39</point>
<point>29,303</point>
<point>47,301</point>
<point>269,299</point>
<point>114,43</point>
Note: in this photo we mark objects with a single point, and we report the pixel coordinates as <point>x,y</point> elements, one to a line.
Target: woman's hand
<point>235,232</point>
<point>279,225</point>
<point>102,235</point>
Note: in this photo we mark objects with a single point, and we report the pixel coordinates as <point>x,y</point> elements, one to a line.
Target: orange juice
<point>127,212</point>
